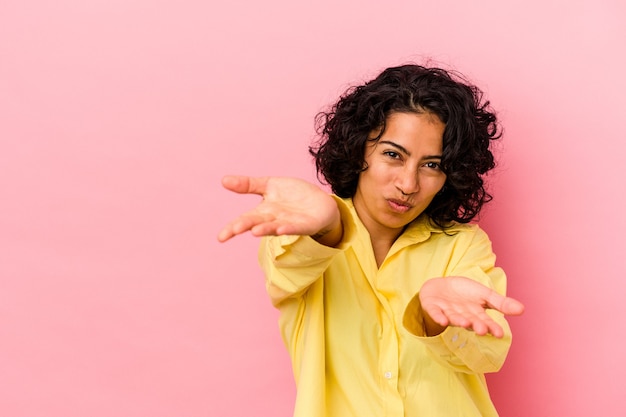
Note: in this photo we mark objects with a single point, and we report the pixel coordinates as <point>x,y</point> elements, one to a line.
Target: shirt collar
<point>419,230</point>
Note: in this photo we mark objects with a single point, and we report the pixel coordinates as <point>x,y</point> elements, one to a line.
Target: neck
<point>382,238</point>
<point>381,249</point>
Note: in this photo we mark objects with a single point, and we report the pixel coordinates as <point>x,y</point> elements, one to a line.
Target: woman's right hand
<point>290,206</point>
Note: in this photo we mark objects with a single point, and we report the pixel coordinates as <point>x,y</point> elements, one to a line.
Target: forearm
<point>292,263</point>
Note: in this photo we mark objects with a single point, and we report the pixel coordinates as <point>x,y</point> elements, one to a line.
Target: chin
<point>397,224</point>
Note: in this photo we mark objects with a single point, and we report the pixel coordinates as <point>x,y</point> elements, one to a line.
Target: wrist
<point>330,235</point>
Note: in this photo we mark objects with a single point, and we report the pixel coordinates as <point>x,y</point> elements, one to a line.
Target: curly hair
<point>470,126</point>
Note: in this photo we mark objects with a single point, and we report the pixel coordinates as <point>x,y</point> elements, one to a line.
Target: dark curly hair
<point>470,126</point>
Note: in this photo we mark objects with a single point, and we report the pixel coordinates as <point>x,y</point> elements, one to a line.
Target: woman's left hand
<point>462,302</point>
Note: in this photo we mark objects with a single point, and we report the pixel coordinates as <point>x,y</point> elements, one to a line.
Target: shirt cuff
<point>453,344</point>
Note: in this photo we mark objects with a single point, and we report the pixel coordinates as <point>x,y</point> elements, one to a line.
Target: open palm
<point>290,206</point>
<point>462,302</point>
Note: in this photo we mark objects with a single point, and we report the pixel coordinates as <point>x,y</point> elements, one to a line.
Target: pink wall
<point>117,119</point>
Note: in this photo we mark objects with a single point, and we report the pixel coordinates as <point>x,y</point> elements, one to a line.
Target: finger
<point>495,330</point>
<point>437,315</point>
<point>458,319</point>
<point>483,323</point>
<point>270,228</point>
<point>242,224</point>
<point>224,235</point>
<point>227,233</point>
<point>505,305</point>
<point>245,185</point>
<point>512,307</point>
<point>480,328</point>
<point>474,319</point>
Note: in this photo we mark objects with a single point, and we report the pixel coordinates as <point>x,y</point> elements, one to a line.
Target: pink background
<point>118,118</point>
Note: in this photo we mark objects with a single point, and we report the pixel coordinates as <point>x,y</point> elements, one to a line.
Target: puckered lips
<point>398,205</point>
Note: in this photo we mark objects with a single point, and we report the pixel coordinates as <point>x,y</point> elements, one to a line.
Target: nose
<point>407,182</point>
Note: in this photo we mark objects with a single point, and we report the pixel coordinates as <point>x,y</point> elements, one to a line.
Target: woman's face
<point>403,173</point>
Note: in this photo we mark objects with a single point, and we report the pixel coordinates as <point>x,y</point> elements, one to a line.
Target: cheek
<point>441,183</point>
<point>377,175</point>
<point>434,184</point>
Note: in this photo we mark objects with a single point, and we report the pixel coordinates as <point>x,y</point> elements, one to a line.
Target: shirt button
<point>388,375</point>
<point>455,337</point>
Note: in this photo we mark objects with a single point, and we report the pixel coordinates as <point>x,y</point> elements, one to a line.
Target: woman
<point>390,300</point>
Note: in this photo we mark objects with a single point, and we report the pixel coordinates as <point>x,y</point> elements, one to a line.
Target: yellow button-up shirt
<point>354,331</point>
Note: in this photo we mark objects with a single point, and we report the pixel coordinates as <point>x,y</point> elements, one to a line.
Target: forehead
<point>411,129</point>
<point>396,120</point>
<point>424,116</point>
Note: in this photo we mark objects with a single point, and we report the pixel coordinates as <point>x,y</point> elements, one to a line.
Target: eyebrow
<point>406,151</point>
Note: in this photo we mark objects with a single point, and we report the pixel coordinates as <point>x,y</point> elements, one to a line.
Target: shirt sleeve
<point>456,347</point>
<point>292,263</point>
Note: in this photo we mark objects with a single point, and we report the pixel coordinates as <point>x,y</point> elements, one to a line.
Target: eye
<point>433,165</point>
<point>392,154</point>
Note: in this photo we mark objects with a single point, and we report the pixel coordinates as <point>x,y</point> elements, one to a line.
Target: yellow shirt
<point>354,331</point>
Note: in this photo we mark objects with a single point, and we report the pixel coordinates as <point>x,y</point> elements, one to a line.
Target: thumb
<point>245,185</point>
